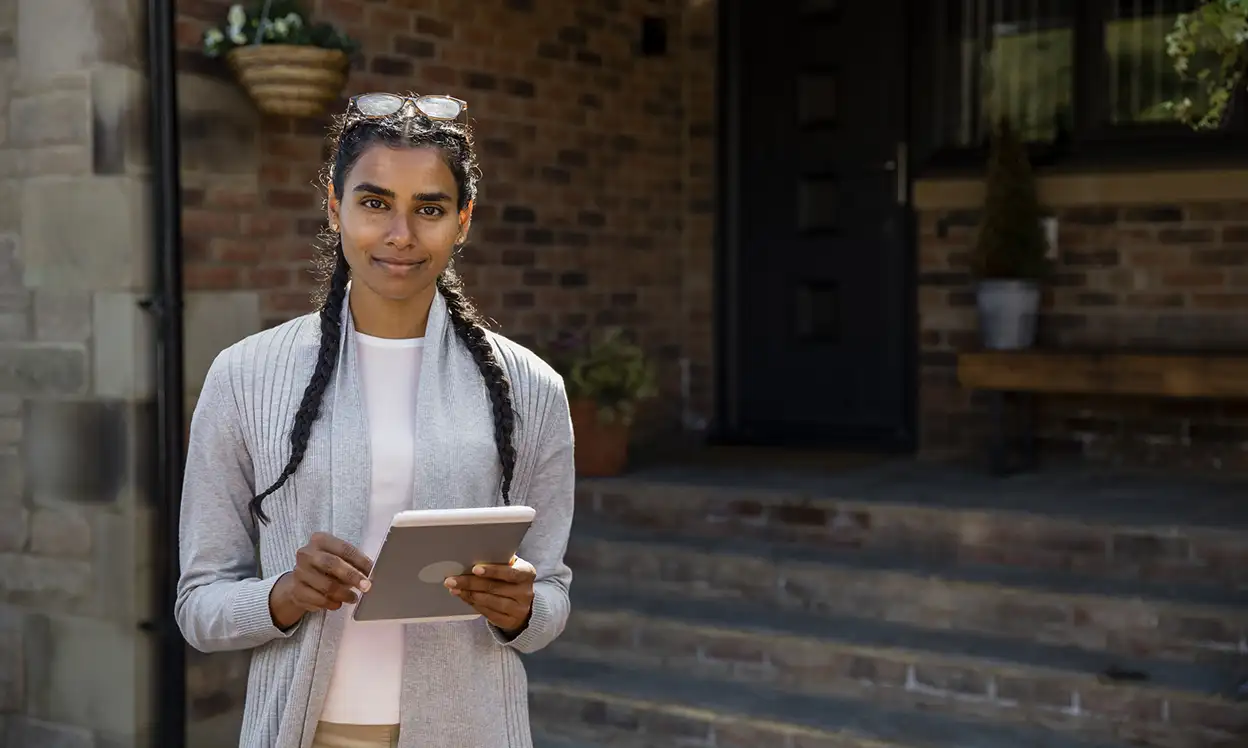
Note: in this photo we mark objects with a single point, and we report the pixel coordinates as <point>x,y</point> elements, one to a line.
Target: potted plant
<point>288,65</point>
<point>1207,48</point>
<point>1010,253</point>
<point>605,377</point>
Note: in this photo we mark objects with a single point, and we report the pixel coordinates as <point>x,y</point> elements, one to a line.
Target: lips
<point>398,265</point>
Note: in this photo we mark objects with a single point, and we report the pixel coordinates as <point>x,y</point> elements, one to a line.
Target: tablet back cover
<point>414,562</point>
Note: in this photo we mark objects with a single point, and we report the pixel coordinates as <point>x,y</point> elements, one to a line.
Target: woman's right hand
<point>327,573</point>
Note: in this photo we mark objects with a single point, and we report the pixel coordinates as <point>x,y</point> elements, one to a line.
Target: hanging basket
<point>290,80</point>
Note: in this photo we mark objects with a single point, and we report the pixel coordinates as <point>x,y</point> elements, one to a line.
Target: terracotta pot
<point>601,448</point>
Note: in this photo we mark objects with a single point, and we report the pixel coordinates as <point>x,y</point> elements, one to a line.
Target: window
<point>1141,77</point>
<point>1012,59</point>
<point>1063,71</point>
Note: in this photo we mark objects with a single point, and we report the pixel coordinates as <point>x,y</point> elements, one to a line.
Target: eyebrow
<point>420,197</point>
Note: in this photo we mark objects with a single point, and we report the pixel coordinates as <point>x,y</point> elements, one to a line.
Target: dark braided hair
<point>351,137</point>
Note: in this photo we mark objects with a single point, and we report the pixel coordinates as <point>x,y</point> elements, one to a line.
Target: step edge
<point>777,495</point>
<point>947,573</point>
<point>710,715</point>
<point>996,665</point>
<point>542,682</point>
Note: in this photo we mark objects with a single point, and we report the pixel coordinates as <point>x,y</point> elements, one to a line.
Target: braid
<point>326,360</point>
<point>471,331</point>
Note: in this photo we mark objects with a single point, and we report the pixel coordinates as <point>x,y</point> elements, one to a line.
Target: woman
<point>308,437</point>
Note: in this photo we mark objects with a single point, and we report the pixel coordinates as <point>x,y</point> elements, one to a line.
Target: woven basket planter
<point>289,80</point>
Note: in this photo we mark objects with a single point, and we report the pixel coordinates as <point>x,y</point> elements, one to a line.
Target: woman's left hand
<point>503,594</point>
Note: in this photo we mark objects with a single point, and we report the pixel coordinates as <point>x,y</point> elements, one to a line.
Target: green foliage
<point>285,23</point>
<point>1011,244</point>
<point>608,369</point>
<point>1207,47</point>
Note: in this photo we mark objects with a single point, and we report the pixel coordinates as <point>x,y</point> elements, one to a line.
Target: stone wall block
<point>106,245</point>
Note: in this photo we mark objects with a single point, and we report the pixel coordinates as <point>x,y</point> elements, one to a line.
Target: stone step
<point>542,740</point>
<point>1152,702</point>
<point>611,705</point>
<point>1114,525</point>
<point>1162,621</point>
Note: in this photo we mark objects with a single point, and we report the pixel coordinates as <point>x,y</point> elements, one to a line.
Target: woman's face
<point>398,220</point>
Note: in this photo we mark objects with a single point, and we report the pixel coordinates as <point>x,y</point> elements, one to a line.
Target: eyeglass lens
<point>382,104</point>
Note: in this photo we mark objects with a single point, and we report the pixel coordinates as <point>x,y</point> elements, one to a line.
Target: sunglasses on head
<point>386,104</point>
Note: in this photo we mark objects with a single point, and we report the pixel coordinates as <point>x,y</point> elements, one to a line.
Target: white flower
<point>212,42</point>
<point>237,36</point>
<point>293,20</point>
<point>281,28</point>
<point>237,17</point>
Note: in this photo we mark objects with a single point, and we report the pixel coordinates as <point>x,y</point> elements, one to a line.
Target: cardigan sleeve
<point>221,602</point>
<point>552,492</point>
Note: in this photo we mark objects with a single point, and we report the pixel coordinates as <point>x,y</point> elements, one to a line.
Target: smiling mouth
<point>397,266</point>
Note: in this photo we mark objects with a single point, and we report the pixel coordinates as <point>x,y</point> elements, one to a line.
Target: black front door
<point>817,303</point>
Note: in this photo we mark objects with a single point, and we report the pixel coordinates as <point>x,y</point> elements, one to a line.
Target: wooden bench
<point>1018,375</point>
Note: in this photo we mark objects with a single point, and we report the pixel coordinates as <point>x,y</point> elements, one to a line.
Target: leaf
<point>1010,243</point>
<point>607,368</point>
<point>303,33</point>
<point>1207,48</point>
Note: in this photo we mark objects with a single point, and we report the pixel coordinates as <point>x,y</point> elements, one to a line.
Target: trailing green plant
<point>607,369</point>
<point>1011,244</point>
<point>284,23</point>
<point>1207,48</point>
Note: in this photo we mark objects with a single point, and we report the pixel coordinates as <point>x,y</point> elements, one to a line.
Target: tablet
<point>425,546</point>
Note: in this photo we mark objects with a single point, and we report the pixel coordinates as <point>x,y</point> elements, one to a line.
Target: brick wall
<point>1153,277</point>
<point>595,202</point>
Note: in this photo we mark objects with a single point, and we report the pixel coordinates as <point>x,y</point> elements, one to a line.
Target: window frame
<point>1093,140</point>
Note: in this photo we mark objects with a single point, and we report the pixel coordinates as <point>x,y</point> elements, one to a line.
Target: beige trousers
<point>333,735</point>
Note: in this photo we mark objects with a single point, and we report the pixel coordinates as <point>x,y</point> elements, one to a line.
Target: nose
<point>399,232</point>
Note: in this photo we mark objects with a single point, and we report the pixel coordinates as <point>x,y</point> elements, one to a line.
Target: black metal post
<point>166,307</point>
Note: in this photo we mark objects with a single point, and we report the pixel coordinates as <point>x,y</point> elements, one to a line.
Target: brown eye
<point>372,203</point>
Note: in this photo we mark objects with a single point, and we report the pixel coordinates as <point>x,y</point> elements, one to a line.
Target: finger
<point>479,584</point>
<point>312,599</point>
<point>488,604</point>
<point>341,593</point>
<point>509,574</point>
<point>324,584</point>
<point>313,577</point>
<point>338,569</point>
<point>352,555</point>
<point>345,551</point>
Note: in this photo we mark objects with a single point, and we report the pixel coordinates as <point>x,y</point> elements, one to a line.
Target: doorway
<point>816,271</point>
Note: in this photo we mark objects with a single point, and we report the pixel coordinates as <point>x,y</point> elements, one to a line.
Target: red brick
<point>241,251</point>
<point>342,11</point>
<point>1229,300</point>
<point>391,19</point>
<point>199,222</point>
<point>263,224</point>
<point>291,199</point>
<point>212,278</point>
<point>269,277</point>
<point>229,199</point>
<point>1193,278</point>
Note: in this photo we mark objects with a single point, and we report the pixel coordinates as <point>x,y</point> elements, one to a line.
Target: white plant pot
<point>1007,313</point>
